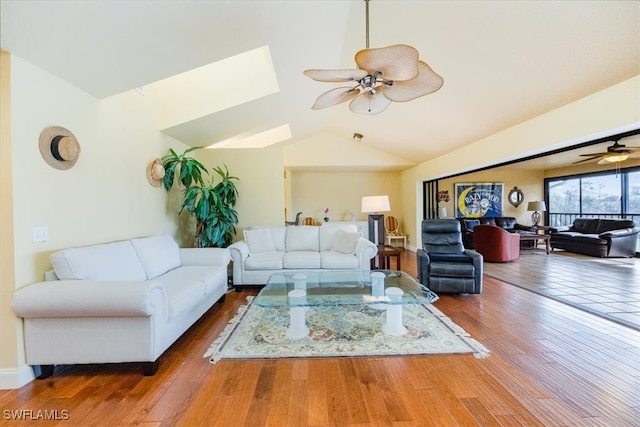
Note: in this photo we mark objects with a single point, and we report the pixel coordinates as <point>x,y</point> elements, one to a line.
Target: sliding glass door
<point>610,194</point>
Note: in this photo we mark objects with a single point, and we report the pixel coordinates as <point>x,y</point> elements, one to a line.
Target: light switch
<point>40,234</point>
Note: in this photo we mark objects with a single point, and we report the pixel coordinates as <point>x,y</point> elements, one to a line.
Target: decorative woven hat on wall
<point>59,147</point>
<point>155,172</point>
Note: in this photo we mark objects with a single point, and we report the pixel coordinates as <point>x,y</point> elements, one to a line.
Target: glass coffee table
<point>380,289</point>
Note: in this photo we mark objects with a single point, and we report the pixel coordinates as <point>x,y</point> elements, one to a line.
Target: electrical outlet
<point>40,234</point>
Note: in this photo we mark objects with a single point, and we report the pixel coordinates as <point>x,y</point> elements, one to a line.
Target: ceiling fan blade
<point>335,75</point>
<point>585,160</point>
<point>334,97</point>
<point>368,103</point>
<point>595,154</point>
<point>427,81</point>
<point>397,62</point>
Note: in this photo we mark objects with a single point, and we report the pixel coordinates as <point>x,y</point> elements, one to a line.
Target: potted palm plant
<point>211,203</point>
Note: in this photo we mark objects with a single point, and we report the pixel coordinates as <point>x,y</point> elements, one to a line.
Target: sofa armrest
<point>478,263</point>
<point>423,261</point>
<point>90,298</point>
<point>530,228</point>
<point>560,229</point>
<point>205,256</point>
<point>239,251</point>
<point>623,232</point>
<point>365,251</point>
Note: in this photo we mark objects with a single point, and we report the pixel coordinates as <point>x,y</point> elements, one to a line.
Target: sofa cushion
<point>346,242</point>
<point>265,261</point>
<point>277,235</point>
<point>605,225</point>
<point>302,259</point>
<point>337,260</point>
<point>109,261</point>
<point>157,254</point>
<point>585,225</point>
<point>184,290</point>
<point>302,238</point>
<point>488,220</point>
<point>209,276</point>
<point>506,222</point>
<point>329,233</point>
<point>259,241</point>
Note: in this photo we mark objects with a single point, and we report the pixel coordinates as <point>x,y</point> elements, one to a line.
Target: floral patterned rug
<point>260,333</point>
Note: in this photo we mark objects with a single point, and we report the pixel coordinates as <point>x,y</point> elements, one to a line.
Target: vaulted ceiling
<point>503,62</point>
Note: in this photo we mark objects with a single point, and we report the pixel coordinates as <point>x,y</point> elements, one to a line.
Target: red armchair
<point>496,244</point>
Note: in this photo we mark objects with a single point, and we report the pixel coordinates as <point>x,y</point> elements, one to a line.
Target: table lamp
<point>374,206</point>
<point>536,206</point>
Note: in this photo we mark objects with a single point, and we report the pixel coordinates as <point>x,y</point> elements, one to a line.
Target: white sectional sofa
<point>267,250</point>
<point>125,301</point>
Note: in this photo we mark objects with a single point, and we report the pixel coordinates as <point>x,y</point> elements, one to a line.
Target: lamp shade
<point>375,204</point>
<point>537,205</point>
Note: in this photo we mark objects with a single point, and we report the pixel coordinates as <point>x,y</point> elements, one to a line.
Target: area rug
<point>260,333</point>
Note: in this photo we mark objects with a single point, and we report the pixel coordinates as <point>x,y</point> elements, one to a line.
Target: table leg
<point>297,323</point>
<point>393,325</point>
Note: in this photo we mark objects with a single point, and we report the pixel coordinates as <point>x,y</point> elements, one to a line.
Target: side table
<point>385,252</point>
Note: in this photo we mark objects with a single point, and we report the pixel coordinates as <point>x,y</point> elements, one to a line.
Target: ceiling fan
<point>384,75</point>
<point>615,153</point>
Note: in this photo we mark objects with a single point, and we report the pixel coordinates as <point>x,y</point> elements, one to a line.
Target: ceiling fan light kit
<point>616,158</point>
<point>384,75</point>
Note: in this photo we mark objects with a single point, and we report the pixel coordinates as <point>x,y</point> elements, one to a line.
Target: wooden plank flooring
<point>550,365</point>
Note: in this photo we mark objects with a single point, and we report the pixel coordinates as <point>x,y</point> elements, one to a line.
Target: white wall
<point>342,193</point>
<point>104,197</point>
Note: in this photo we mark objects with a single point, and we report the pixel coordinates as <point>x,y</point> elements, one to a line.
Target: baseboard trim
<point>16,378</point>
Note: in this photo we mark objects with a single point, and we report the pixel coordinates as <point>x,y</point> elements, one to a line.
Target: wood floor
<point>550,365</point>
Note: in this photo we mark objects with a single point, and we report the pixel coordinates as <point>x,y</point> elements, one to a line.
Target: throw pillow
<point>259,241</point>
<point>158,254</point>
<point>346,242</point>
<point>470,223</point>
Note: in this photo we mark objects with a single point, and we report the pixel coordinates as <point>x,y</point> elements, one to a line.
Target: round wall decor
<point>516,197</point>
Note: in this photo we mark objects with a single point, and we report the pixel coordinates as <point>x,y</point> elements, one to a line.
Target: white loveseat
<point>125,301</point>
<point>268,250</point>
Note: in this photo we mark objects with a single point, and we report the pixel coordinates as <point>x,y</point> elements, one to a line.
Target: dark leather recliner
<point>444,265</point>
<point>496,244</point>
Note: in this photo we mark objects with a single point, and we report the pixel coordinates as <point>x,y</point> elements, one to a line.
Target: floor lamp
<point>374,206</point>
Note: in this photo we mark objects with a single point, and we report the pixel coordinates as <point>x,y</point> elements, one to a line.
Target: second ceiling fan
<point>615,153</point>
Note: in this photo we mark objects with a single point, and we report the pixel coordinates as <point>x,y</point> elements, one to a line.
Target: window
<point>611,194</point>
<point>602,194</point>
<point>633,205</point>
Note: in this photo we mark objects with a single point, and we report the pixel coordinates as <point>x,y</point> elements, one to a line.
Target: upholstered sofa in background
<point>124,301</point>
<point>268,250</point>
<point>597,237</point>
<point>507,223</point>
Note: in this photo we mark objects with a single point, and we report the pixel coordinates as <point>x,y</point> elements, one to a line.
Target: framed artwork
<point>475,200</point>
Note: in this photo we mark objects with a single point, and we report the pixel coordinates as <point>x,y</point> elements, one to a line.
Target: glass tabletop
<point>342,287</point>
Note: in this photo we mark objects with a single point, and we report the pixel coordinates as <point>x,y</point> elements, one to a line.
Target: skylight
<point>257,140</point>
